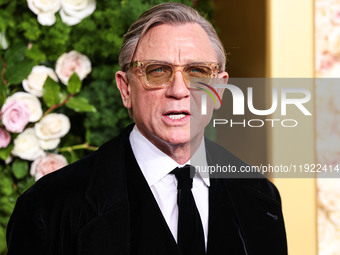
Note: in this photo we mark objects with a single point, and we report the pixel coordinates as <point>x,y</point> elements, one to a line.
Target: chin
<point>177,138</point>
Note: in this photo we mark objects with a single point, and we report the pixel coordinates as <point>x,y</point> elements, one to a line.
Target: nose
<point>178,88</point>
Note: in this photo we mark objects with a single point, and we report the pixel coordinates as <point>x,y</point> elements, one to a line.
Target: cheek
<point>140,99</point>
<point>199,120</point>
<point>145,103</point>
<point>196,103</point>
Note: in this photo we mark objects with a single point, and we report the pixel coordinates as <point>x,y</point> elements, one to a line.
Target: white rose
<point>52,126</point>
<point>3,41</point>
<point>35,81</point>
<point>31,101</point>
<point>73,11</point>
<point>26,145</point>
<point>45,9</point>
<point>71,62</point>
<point>47,164</point>
<point>49,144</point>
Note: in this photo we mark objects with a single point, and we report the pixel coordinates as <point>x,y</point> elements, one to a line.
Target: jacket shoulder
<point>75,177</point>
<point>51,213</point>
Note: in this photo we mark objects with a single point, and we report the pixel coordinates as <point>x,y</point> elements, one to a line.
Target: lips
<point>177,115</point>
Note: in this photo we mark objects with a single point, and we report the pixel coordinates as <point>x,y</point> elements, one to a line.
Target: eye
<point>157,70</point>
<point>199,71</point>
<point>196,70</point>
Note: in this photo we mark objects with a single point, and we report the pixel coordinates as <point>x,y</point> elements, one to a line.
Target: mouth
<point>177,115</point>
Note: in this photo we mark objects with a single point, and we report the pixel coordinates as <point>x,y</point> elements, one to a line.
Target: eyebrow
<point>169,63</point>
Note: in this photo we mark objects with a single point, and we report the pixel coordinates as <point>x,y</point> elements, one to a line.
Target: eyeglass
<point>159,74</point>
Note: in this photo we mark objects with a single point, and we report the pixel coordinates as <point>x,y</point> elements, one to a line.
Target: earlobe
<point>224,76</point>
<point>124,88</point>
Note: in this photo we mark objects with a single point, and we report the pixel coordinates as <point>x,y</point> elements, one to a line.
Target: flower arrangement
<point>71,12</point>
<point>327,56</point>
<point>37,133</point>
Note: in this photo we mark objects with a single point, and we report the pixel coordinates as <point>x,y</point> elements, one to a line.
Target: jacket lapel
<point>147,221</point>
<point>110,195</point>
<point>257,206</point>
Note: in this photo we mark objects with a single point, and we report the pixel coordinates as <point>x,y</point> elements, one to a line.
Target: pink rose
<point>324,62</point>
<point>5,138</point>
<point>71,62</point>
<point>15,116</point>
<point>47,164</point>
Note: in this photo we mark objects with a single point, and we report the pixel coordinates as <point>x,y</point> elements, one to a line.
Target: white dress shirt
<point>156,166</point>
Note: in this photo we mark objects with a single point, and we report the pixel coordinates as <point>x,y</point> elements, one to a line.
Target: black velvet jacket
<point>84,209</point>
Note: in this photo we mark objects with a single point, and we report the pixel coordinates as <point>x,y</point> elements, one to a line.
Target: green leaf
<point>15,53</point>
<point>6,188</point>
<point>18,71</point>
<point>25,184</point>
<point>2,93</point>
<point>5,152</point>
<point>74,84</point>
<point>3,239</point>
<point>80,104</point>
<point>51,92</point>
<point>3,89</point>
<point>36,54</point>
<point>20,168</point>
<point>74,157</point>
<point>63,95</point>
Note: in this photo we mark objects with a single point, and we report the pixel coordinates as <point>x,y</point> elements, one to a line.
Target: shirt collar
<point>150,158</point>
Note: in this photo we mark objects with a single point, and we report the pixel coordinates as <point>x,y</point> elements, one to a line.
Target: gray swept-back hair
<point>172,14</point>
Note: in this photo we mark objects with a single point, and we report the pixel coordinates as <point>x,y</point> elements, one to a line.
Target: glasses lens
<point>198,71</point>
<point>158,74</point>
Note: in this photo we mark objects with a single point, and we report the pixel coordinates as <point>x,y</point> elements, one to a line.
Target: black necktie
<point>190,236</point>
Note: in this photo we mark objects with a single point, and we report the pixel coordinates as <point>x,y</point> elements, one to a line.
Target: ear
<point>124,88</point>
<point>224,78</point>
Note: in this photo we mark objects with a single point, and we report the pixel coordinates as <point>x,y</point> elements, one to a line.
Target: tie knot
<point>183,176</point>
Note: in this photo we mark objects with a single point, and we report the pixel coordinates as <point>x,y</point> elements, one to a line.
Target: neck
<point>181,153</point>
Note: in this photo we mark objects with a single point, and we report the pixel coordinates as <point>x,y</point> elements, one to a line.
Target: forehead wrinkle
<point>178,49</point>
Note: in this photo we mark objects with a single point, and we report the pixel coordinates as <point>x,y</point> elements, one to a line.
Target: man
<point>126,198</point>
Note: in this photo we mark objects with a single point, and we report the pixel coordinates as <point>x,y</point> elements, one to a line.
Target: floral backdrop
<point>58,99</point>
<point>327,53</point>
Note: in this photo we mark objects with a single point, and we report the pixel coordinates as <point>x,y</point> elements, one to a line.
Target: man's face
<point>163,115</point>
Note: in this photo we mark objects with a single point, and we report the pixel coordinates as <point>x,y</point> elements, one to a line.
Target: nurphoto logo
<point>239,101</point>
